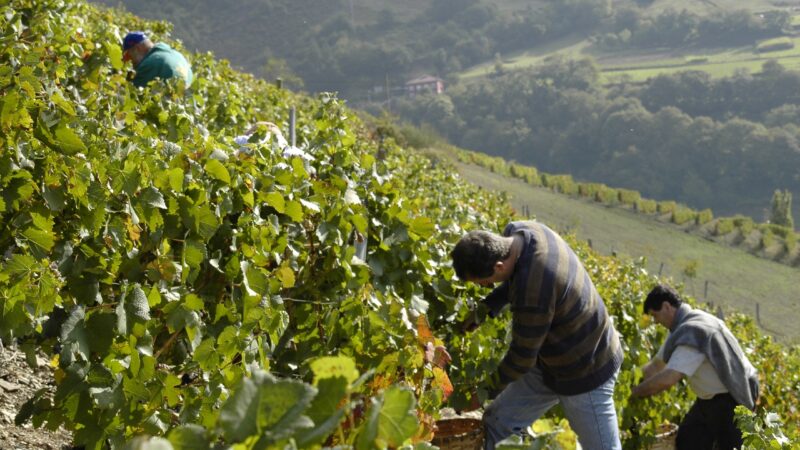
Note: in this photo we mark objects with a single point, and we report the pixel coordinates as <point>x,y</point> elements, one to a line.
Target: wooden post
<point>660,269</point>
<point>279,83</point>
<point>705,290</point>
<point>388,95</point>
<point>758,315</point>
<point>292,124</point>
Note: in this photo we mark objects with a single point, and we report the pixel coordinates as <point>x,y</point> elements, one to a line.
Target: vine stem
<point>167,344</point>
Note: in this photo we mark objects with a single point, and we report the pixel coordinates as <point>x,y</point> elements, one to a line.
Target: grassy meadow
<point>735,278</point>
<point>633,65</point>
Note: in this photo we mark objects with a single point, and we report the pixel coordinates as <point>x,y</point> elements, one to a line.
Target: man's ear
<point>499,266</point>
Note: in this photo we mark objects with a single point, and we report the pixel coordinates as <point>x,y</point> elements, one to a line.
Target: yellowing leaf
<point>286,275</point>
<point>442,381</point>
<point>424,333</point>
<point>334,366</point>
<point>114,54</point>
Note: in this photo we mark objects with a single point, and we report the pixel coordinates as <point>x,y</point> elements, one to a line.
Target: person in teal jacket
<point>153,61</point>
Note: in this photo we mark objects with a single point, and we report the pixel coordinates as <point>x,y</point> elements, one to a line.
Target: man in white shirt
<point>694,335</point>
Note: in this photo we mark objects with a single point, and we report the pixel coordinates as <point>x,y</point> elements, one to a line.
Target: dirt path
<point>18,382</point>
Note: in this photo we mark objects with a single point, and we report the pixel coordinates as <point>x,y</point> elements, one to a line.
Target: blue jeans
<point>591,415</point>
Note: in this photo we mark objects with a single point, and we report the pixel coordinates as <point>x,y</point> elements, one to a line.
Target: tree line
<point>722,144</point>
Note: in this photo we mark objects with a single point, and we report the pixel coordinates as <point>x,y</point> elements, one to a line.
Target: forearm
<point>652,368</point>
<point>659,382</point>
<point>497,299</point>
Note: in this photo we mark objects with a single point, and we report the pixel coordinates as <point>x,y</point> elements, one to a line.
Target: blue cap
<point>132,38</point>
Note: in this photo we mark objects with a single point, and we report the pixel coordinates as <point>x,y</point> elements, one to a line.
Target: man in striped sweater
<point>564,348</point>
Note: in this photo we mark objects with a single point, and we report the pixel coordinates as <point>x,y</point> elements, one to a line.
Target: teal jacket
<point>162,62</point>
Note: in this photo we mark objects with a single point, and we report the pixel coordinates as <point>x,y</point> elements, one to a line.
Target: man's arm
<point>661,381</point>
<point>491,305</point>
<point>653,367</point>
<point>144,74</point>
<point>497,299</point>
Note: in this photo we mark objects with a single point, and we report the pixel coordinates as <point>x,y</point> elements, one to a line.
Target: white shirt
<point>702,377</point>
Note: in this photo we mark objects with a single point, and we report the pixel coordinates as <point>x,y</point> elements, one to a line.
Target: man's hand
<point>473,319</point>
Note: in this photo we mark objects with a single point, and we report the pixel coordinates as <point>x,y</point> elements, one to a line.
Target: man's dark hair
<point>660,294</point>
<point>477,252</point>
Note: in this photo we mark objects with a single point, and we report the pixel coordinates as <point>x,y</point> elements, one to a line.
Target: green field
<point>735,278</point>
<point>639,65</point>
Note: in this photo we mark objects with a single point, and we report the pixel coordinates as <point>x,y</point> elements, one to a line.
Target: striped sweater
<point>559,321</point>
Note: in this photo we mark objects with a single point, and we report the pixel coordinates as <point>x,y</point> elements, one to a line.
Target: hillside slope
<point>735,278</point>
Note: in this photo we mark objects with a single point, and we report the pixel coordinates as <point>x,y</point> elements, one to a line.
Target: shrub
<point>666,207</point>
<point>779,230</point>
<point>790,242</point>
<point>682,214</point>
<point>532,177</point>
<point>606,195</point>
<point>588,189</point>
<point>767,238</point>
<point>628,197</point>
<point>724,226</point>
<point>564,184</point>
<point>646,206</point>
<point>704,216</point>
<point>745,224</point>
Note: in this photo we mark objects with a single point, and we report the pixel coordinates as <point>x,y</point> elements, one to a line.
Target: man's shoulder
<point>516,226</point>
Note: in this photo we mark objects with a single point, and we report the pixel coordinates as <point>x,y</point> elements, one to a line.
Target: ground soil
<point>18,383</point>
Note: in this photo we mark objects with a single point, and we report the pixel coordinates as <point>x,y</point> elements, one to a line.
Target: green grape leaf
<point>175,177</point>
<point>325,410</point>
<point>68,140</point>
<point>64,104</point>
<point>282,407</point>
<point>206,355</point>
<point>194,253</point>
<point>368,432</point>
<point>41,239</point>
<point>398,418</point>
<point>422,226</point>
<point>20,265</point>
<point>238,415</point>
<point>189,437</point>
<point>100,328</point>
<point>294,210</point>
<point>74,337</point>
<point>275,199</point>
<point>218,171</point>
<point>152,197</point>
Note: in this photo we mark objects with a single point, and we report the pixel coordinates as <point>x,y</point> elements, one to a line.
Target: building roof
<point>424,79</point>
